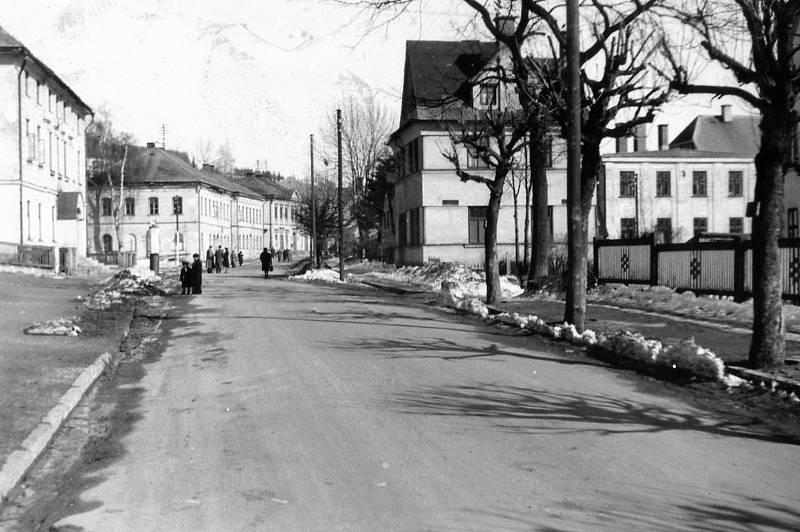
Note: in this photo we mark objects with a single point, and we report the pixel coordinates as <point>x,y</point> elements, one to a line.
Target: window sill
<point>663,195</point>
<point>626,196</point>
<point>474,245</point>
<point>735,195</point>
<point>700,195</point>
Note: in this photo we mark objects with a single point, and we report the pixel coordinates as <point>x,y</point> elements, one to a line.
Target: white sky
<point>258,74</point>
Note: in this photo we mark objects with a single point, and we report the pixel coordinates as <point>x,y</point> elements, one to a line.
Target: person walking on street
<point>233,259</point>
<point>218,259</point>
<point>226,260</point>
<point>266,262</point>
<point>186,278</point>
<point>210,259</point>
<point>240,256</point>
<point>196,275</point>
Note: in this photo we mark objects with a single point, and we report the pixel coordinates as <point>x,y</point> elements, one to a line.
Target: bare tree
<point>327,217</point>
<point>225,162</point>
<point>766,75</point>
<point>204,150</point>
<point>108,151</point>
<point>366,126</point>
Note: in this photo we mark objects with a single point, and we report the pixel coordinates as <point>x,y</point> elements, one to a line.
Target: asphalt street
<point>285,406</point>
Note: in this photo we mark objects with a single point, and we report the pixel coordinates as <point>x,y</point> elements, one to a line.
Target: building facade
<point>42,153</point>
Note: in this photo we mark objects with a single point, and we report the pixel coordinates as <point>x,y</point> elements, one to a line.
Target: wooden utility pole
<point>575,309</point>
<point>340,202</point>
<point>313,211</point>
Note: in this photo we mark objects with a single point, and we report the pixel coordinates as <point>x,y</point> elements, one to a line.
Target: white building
<point>42,154</point>
<point>701,182</point>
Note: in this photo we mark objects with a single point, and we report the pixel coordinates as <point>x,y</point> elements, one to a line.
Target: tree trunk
<point>492,266</point>
<point>516,231</point>
<point>539,216</point>
<point>768,343</point>
<point>526,246</point>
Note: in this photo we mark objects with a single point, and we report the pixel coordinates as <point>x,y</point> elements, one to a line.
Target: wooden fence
<point>125,259</point>
<point>25,255</point>
<point>723,268</point>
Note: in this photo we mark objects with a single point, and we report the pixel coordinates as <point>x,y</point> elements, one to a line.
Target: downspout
<point>19,121</point>
<point>85,180</point>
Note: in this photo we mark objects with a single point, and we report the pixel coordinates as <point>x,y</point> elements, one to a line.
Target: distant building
<point>43,146</point>
<point>432,214</point>
<point>701,182</point>
<point>192,208</point>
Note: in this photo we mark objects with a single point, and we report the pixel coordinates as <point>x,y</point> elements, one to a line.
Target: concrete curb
<point>773,382</point>
<point>21,460</point>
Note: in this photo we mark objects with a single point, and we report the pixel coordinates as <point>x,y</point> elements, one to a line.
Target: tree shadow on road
<point>537,411</point>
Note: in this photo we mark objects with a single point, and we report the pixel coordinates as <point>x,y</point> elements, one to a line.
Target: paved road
<point>285,406</point>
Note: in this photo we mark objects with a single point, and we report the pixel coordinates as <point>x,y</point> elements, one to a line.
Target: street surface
<point>285,406</point>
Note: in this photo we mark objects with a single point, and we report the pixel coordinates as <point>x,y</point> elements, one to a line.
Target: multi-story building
<point>701,182</point>
<point>42,153</point>
<point>436,216</point>
<point>281,229</point>
<point>192,209</point>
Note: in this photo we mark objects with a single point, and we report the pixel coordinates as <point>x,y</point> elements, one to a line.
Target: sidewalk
<point>36,371</point>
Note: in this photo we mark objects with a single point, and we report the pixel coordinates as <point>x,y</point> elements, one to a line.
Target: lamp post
<point>177,210</point>
<point>313,211</point>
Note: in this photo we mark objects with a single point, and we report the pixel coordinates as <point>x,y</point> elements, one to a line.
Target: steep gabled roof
<point>740,135</point>
<point>436,71</point>
<point>674,153</point>
<point>265,188</point>
<point>10,44</point>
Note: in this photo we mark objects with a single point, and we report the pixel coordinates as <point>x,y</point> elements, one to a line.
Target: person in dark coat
<point>196,275</point>
<point>226,259</point>
<point>240,256</point>
<point>186,278</point>
<point>218,259</point>
<point>210,259</point>
<point>233,259</point>
<point>266,262</point>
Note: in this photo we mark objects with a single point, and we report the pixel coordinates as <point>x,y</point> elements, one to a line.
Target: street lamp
<point>177,210</point>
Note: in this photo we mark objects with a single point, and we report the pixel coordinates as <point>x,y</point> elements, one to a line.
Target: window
<point>473,158</point>
<point>627,184</point>
<point>108,243</point>
<point>735,178</point>
<point>477,224</point>
<point>664,227</point>
<point>487,94</point>
<point>27,82</point>
<point>106,206</point>
<point>663,184</point>
<point>627,228</point>
<point>792,223</point>
<point>177,205</point>
<point>700,226</point>
<point>413,160</point>
<point>153,205</point>
<point>449,202</point>
<point>130,207</point>
<point>736,225</point>
<point>699,183</point>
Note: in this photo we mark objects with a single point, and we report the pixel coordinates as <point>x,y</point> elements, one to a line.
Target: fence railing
<point>27,255</point>
<point>125,259</point>
<point>723,268</point>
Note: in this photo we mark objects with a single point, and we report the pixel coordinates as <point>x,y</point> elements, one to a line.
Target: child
<point>186,278</point>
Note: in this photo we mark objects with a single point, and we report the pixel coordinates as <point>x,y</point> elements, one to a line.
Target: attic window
<point>487,94</point>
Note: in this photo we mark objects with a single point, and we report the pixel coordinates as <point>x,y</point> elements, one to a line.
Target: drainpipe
<point>85,180</point>
<point>19,120</point>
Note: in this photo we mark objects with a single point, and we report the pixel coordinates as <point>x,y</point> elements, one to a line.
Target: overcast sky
<point>258,74</point>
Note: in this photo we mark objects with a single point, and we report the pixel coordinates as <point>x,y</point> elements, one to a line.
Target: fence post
<point>653,260</point>
<point>738,271</point>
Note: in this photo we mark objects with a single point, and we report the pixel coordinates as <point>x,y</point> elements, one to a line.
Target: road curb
<point>20,461</point>
<point>774,382</point>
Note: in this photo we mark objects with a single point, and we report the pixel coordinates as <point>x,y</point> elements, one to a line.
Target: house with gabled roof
<point>436,216</point>
<point>43,146</point>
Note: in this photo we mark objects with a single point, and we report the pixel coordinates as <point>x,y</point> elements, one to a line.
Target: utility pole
<point>339,201</point>
<point>163,136</point>
<point>313,211</point>
<point>575,309</point>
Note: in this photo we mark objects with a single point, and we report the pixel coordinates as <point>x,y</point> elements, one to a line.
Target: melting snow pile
<point>135,281</point>
<point>685,356</point>
<point>431,277</point>
<point>325,276</point>
<point>59,327</point>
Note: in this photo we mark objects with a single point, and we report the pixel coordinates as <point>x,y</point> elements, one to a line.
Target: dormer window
<point>487,94</point>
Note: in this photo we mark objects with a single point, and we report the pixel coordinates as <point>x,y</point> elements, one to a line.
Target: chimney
<point>622,144</point>
<point>725,115</point>
<point>506,24</point>
<point>663,137</point>
<point>640,138</point>
<point>151,144</point>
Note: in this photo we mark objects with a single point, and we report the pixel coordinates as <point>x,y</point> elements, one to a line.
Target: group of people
<point>222,258</point>
<point>192,276</point>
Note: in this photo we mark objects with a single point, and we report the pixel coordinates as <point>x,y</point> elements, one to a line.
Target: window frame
<point>476,223</point>
<point>106,207</point>
<point>740,222</point>
<point>627,184</point>
<point>739,184</point>
<point>629,232</point>
<point>659,175</point>
<point>696,181</point>
<point>153,207</point>
<point>695,223</point>
<point>130,207</point>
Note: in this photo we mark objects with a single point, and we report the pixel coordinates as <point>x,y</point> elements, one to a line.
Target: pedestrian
<point>286,255</point>
<point>240,257</point>
<point>218,259</point>
<point>266,262</point>
<point>197,275</point>
<point>186,278</point>
<point>233,259</point>
<point>210,259</point>
<point>226,260</point>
